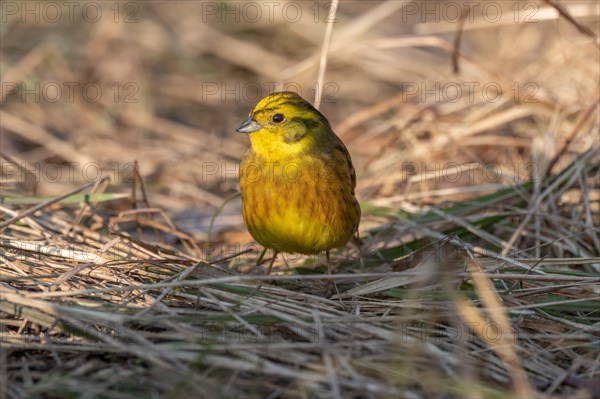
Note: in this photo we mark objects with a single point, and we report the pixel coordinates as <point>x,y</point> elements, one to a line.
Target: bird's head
<point>283,123</point>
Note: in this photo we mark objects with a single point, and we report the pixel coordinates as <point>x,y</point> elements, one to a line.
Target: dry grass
<point>479,268</point>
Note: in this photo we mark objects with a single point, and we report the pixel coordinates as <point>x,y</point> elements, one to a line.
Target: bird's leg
<point>261,256</point>
<point>275,253</point>
<point>330,286</point>
<point>360,254</point>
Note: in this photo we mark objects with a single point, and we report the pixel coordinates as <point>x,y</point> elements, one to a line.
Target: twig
<point>564,12</point>
<point>36,208</point>
<point>333,7</point>
<point>576,129</point>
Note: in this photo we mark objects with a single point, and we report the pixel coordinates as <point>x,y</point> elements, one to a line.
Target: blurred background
<point>474,130</point>
<point>436,101</point>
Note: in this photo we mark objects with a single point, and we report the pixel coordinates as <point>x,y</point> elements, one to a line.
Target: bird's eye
<point>277,118</point>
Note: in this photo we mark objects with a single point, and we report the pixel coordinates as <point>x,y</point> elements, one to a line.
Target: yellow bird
<point>297,179</point>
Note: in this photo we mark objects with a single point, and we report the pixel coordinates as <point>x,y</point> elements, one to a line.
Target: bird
<point>297,180</point>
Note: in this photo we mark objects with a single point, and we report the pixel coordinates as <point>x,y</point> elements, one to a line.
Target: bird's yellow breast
<point>298,205</point>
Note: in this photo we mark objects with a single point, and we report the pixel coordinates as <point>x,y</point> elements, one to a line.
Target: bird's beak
<point>249,125</point>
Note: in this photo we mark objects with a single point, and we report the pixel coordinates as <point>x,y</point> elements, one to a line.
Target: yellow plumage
<point>297,179</point>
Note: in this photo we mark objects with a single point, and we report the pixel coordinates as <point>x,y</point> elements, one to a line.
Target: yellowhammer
<point>297,179</point>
